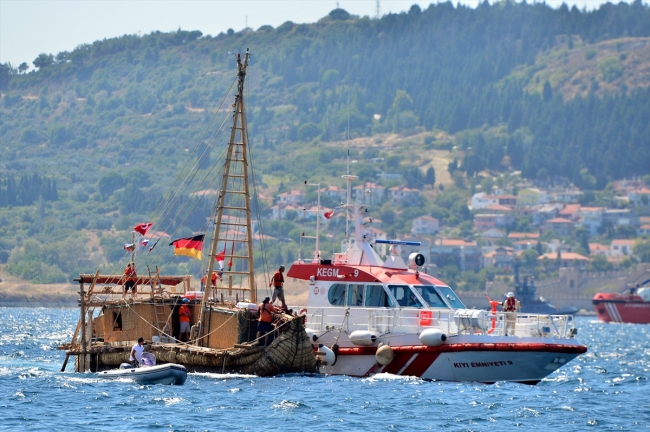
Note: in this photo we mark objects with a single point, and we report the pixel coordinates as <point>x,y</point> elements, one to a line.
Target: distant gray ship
<point>526,293</point>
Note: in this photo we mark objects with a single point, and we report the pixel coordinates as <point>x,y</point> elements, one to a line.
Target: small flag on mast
<point>129,247</point>
<point>142,228</point>
<point>330,214</point>
<point>221,257</point>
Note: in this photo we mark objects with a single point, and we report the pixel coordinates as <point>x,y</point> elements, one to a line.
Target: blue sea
<point>607,388</point>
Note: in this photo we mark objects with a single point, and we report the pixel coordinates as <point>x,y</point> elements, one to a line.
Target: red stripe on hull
<point>420,364</point>
<point>405,352</point>
<point>398,363</point>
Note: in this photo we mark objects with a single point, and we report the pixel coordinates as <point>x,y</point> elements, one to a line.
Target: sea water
<point>605,389</point>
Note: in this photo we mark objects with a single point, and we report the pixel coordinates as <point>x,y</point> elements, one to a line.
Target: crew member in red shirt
<point>265,325</point>
<point>129,279</point>
<point>184,317</point>
<point>277,281</point>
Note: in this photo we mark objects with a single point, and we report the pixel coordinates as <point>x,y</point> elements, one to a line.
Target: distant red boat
<point>630,306</point>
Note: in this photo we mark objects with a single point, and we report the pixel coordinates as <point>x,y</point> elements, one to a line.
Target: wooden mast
<point>234,198</point>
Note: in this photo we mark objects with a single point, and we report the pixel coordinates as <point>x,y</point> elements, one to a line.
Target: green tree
<point>642,250</point>
<point>610,68</point>
<point>110,182</point>
<point>43,61</point>
<point>430,176</point>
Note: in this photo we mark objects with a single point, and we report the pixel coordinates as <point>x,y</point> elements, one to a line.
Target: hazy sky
<point>31,27</point>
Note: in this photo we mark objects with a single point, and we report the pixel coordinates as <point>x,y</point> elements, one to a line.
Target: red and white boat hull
<point>481,362</point>
<point>622,308</point>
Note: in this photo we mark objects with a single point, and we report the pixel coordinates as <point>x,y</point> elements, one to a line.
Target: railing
<point>405,321</point>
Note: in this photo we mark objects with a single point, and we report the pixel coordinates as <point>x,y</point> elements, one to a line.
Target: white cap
<point>510,294</point>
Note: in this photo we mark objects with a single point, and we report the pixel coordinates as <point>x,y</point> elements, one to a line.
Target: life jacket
<point>265,314</point>
<point>184,314</point>
<point>278,279</point>
<point>510,305</point>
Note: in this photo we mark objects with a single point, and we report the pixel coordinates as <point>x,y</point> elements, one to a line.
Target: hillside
<point>93,138</point>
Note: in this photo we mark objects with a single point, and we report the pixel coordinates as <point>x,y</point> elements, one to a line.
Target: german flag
<point>188,246</point>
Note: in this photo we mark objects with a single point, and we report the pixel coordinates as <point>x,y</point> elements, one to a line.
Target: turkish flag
<point>142,228</point>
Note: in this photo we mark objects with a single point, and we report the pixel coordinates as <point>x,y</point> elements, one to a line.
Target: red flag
<point>330,214</point>
<point>232,252</point>
<point>221,257</point>
<point>142,228</point>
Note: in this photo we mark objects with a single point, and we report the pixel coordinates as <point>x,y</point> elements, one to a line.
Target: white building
<point>425,225</point>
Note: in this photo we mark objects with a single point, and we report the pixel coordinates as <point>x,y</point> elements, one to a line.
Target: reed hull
<point>291,351</point>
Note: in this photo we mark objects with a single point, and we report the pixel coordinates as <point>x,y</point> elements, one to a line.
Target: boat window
<point>376,296</point>
<point>404,296</point>
<point>336,295</point>
<point>355,295</point>
<point>451,298</point>
<point>117,321</point>
<point>430,296</point>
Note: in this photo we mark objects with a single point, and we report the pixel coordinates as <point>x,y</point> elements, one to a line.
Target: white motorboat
<point>148,372</point>
<point>367,315</point>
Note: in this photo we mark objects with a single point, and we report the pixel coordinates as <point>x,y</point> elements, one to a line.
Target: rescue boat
<point>631,306</point>
<point>149,372</point>
<point>368,315</point>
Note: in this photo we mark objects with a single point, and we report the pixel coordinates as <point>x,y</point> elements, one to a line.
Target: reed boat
<point>222,310</point>
<point>367,315</point>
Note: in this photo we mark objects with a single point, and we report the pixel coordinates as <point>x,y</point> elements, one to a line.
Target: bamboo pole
<point>82,320</point>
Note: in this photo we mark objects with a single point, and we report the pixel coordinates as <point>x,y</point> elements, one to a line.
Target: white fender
<point>432,337</point>
<point>326,355</point>
<point>363,338</point>
<point>311,334</point>
<point>384,355</point>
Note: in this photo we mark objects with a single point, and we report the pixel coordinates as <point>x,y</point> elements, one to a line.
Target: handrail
<point>407,321</point>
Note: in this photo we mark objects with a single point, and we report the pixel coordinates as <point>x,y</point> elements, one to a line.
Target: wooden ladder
<point>162,319</point>
<point>159,308</point>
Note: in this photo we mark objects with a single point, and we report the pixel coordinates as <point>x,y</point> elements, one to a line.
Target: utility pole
<point>378,10</point>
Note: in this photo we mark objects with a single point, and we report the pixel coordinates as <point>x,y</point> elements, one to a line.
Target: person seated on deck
<point>265,325</point>
<point>136,353</point>
<point>129,279</point>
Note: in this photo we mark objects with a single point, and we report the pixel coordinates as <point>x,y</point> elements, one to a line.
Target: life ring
<point>303,311</point>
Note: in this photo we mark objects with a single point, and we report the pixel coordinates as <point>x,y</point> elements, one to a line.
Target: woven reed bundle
<point>188,358</point>
<point>290,352</point>
<point>114,358</point>
<point>238,360</point>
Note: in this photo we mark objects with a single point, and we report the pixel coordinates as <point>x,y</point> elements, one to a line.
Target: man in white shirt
<point>136,353</point>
